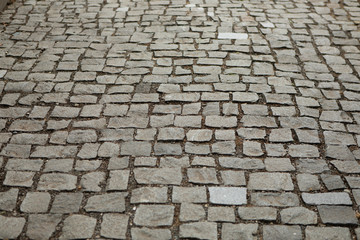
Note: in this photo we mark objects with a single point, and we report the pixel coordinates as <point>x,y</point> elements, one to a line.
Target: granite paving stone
<point>228,195</point>
<point>66,203</point>
<point>257,213</point>
<point>114,226</point>
<point>35,202</point>
<point>42,226</point>
<point>78,226</point>
<point>109,202</point>
<point>341,215</point>
<point>8,199</point>
<point>298,215</point>
<point>199,230</point>
<point>327,233</point>
<point>11,227</point>
<point>282,232</point>
<point>330,198</point>
<point>154,215</point>
<point>191,212</point>
<point>239,231</point>
<point>149,233</point>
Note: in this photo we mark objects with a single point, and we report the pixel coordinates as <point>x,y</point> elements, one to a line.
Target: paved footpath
<point>180,119</point>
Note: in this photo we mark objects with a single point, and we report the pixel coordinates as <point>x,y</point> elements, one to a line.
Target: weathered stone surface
<point>298,215</point>
<point>35,202</point>
<point>303,151</point>
<point>11,227</point>
<point>282,232</point>
<point>57,181</point>
<point>16,151</point>
<point>78,226</point>
<point>167,134</point>
<point>189,194</point>
<point>67,203</point>
<point>167,149</point>
<point>339,152</point>
<point>257,213</point>
<point>278,165</point>
<point>136,148</point>
<point>108,149</point>
<point>239,231</point>
<point>220,122</point>
<point>8,199</point>
<point>149,234</point>
<point>275,199</point>
<point>90,182</point>
<point>191,212</point>
<point>154,215</point>
<point>346,166</point>
<point>236,178</point>
<point>199,230</point>
<point>308,182</point>
<point>171,176</point>
<point>114,226</point>
<point>241,163</point>
<point>199,135</point>
<point>54,152</point>
<point>202,175</point>
<point>231,35</point>
<point>19,178</point>
<point>118,180</point>
<point>227,195</point>
<point>149,195</point>
<point>82,136</point>
<point>332,182</point>
<point>330,198</point>
<point>341,215</point>
<point>270,181</point>
<point>109,202</point>
<point>312,166</point>
<point>323,233</point>
<point>42,226</point>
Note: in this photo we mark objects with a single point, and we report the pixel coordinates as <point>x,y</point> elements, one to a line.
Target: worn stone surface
<point>110,202</point>
<point>57,181</point>
<point>298,215</point>
<point>341,215</point>
<point>66,203</point>
<point>149,234</point>
<point>154,215</point>
<point>191,212</point>
<point>11,227</point>
<point>114,226</point>
<point>199,230</point>
<point>282,232</point>
<point>8,199</point>
<point>327,233</point>
<point>227,195</point>
<point>334,198</point>
<point>270,181</point>
<point>42,226</point>
<point>239,231</point>
<point>36,202</point>
<point>257,213</point>
<point>78,226</point>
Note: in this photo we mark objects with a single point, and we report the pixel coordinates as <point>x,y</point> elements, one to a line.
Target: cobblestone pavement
<point>192,119</point>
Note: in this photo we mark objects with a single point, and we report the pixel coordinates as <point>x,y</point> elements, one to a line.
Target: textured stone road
<point>183,119</point>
